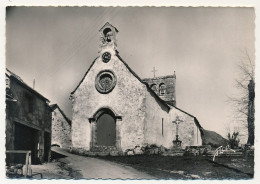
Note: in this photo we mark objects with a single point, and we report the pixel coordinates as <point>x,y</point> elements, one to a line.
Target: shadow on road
<point>55,155</point>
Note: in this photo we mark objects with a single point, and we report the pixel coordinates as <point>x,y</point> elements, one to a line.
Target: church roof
<point>160,77</point>
<point>158,99</point>
<point>83,77</point>
<point>195,119</point>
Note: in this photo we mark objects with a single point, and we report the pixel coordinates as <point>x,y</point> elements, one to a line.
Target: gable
<point>13,77</point>
<point>55,106</point>
<point>84,76</point>
<point>194,118</point>
<point>158,99</point>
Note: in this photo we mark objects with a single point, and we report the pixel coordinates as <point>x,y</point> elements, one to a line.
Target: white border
<point>186,3</point>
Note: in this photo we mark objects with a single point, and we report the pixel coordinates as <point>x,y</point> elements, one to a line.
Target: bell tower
<point>108,42</point>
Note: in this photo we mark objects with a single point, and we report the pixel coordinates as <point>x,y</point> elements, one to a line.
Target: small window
<point>29,102</point>
<point>162,126</point>
<point>162,89</point>
<point>7,83</point>
<point>153,87</point>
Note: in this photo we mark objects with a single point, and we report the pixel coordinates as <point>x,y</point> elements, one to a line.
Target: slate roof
<point>160,77</point>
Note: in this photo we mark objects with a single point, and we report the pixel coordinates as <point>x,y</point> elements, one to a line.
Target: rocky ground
<point>54,170</point>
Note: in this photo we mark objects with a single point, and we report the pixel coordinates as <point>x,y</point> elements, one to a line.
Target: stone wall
<point>170,83</point>
<point>157,130</point>
<point>30,110</point>
<point>61,130</point>
<point>188,132</point>
<point>160,130</point>
<point>29,107</point>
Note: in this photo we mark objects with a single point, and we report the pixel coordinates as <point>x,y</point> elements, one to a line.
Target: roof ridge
<point>54,106</point>
<point>19,79</point>
<point>159,77</point>
<point>84,76</point>
<point>107,23</point>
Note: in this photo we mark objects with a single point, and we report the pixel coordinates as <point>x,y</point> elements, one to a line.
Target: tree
<point>233,140</point>
<point>243,104</point>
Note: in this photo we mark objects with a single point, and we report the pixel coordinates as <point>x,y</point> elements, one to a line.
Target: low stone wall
<point>197,150</point>
<point>84,152</point>
<point>144,150</point>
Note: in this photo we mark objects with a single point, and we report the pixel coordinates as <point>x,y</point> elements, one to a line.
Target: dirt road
<point>94,168</point>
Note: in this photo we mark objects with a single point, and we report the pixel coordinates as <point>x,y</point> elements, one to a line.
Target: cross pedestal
<point>177,143</point>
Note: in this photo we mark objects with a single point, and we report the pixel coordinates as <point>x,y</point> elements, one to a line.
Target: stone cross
<point>154,71</point>
<point>177,122</point>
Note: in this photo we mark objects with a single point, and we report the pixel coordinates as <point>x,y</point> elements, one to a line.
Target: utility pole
<point>33,83</point>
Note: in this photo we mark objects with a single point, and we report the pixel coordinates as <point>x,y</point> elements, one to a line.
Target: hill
<point>214,139</point>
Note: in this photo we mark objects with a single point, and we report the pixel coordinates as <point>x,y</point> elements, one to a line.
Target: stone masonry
<point>61,128</point>
<point>164,87</point>
<point>28,119</point>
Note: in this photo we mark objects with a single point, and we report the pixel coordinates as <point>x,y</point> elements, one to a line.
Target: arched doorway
<point>105,134</point>
<point>106,130</point>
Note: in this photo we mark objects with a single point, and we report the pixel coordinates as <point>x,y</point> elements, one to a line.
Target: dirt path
<point>94,168</point>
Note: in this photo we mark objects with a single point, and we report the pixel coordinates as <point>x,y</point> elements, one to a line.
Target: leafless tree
<point>243,103</point>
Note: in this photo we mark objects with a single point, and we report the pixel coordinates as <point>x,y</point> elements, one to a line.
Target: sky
<point>56,45</point>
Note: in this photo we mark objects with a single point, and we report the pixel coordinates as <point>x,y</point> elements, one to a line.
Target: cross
<point>177,122</point>
<point>154,71</point>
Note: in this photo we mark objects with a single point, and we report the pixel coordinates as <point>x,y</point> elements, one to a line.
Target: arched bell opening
<point>107,34</point>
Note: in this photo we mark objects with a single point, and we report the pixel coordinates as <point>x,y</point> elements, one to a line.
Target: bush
<point>233,140</point>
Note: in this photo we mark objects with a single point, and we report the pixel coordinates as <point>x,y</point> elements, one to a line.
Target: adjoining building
<point>61,128</point>
<point>28,120</point>
<point>164,87</point>
<point>114,109</point>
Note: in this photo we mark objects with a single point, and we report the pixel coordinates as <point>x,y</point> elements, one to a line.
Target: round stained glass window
<point>105,81</point>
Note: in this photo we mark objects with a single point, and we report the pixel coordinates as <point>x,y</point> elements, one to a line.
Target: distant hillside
<point>214,139</point>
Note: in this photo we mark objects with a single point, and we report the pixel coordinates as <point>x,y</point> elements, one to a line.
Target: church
<point>114,109</point>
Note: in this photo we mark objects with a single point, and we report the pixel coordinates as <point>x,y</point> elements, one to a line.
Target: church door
<point>106,130</point>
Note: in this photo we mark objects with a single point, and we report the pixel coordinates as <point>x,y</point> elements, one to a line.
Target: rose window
<point>105,81</point>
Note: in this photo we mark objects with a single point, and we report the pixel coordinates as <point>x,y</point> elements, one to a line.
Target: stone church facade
<point>114,108</point>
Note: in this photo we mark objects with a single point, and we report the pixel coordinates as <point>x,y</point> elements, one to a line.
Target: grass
<point>166,167</point>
